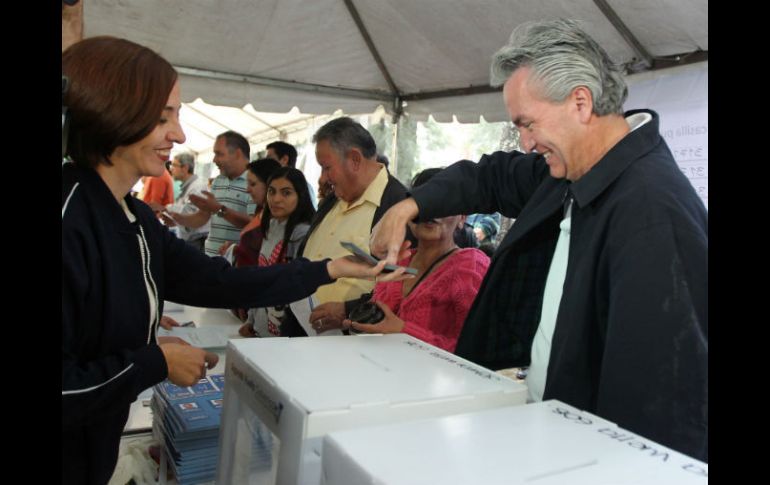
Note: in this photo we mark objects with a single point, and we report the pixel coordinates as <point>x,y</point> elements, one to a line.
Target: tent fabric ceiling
<point>202,123</point>
<point>426,45</point>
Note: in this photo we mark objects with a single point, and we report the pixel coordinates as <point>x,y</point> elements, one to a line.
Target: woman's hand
<point>156,207</point>
<point>172,340</point>
<point>168,322</point>
<point>352,267</point>
<point>390,324</point>
<point>187,364</point>
<point>167,220</point>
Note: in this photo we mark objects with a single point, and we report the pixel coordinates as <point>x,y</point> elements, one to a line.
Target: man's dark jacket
<point>631,336</point>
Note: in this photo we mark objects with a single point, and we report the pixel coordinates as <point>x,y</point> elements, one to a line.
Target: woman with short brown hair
<point>119,263</point>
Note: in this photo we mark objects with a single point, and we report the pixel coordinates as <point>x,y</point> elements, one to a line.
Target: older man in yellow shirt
<point>363,191</point>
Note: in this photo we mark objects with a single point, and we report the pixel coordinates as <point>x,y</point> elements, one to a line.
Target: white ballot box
<point>283,395</point>
<point>548,443</point>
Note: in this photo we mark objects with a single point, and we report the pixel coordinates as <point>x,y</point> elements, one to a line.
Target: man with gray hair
<point>182,169</point>
<point>601,285</point>
<point>362,191</point>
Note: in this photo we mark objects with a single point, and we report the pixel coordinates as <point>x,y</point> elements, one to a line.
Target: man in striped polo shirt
<point>228,205</point>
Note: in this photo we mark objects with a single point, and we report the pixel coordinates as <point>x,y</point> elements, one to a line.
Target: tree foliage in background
<point>407,164</point>
<point>382,132</point>
<point>509,138</point>
<point>435,136</point>
<point>484,138</point>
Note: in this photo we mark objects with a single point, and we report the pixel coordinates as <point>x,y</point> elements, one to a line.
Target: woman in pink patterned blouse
<point>433,305</point>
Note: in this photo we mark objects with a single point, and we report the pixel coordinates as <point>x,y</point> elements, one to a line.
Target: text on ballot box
<point>284,394</point>
<point>547,443</point>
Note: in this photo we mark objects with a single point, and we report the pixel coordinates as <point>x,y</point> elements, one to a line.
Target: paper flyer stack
<point>186,422</point>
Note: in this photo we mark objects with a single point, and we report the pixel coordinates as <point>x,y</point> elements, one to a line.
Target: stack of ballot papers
<point>170,306</point>
<point>186,423</point>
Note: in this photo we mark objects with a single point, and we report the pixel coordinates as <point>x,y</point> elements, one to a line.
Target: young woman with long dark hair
<point>284,223</point>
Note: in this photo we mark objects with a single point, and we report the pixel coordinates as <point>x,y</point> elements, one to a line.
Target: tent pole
<point>645,59</point>
<point>398,111</point>
<point>353,11</point>
<point>280,83</point>
<point>394,150</point>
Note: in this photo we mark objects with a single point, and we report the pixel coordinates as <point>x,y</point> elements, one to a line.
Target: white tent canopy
<point>356,55</point>
<point>202,123</point>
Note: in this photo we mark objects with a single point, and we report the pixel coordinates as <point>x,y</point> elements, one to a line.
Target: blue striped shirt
<point>233,195</point>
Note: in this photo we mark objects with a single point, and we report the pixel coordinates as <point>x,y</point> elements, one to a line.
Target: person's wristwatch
<point>222,210</point>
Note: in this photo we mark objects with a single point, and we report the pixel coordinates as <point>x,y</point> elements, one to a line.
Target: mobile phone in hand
<point>368,258</point>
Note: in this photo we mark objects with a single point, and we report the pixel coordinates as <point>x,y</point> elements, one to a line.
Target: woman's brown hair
<point>117,92</point>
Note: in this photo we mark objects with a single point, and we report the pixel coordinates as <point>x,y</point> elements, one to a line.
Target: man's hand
<point>193,220</point>
<point>209,203</point>
<point>389,233</point>
<point>223,248</point>
<point>187,364</point>
<point>397,276</point>
<point>327,316</point>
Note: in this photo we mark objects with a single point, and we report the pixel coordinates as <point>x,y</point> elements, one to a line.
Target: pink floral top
<point>435,310</point>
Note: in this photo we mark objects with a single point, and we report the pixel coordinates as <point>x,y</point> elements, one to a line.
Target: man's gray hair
<point>562,57</point>
<point>345,133</point>
<point>187,159</point>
